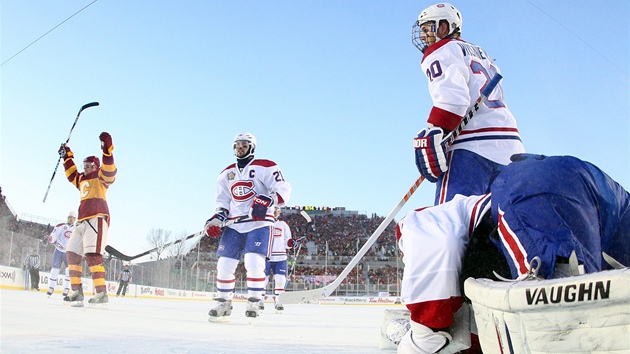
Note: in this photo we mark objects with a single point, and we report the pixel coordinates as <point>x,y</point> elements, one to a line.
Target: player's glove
<point>293,243</point>
<point>430,153</point>
<point>214,225</point>
<point>106,143</point>
<point>65,152</point>
<point>259,207</point>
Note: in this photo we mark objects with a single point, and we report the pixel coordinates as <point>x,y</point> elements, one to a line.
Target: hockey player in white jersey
<point>59,238</point>
<point>247,191</point>
<point>277,263</point>
<point>457,72</point>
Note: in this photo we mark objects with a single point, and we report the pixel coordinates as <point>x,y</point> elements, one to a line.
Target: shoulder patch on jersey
<point>229,167</point>
<point>61,224</point>
<point>263,163</point>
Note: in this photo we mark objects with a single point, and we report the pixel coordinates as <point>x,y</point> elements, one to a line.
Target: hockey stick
<point>85,106</point>
<point>116,253</point>
<point>297,251</point>
<point>292,297</point>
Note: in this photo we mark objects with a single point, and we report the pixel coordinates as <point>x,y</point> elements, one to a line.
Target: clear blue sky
<point>332,90</point>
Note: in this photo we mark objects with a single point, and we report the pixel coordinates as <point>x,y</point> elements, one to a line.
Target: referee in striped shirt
<point>32,263</point>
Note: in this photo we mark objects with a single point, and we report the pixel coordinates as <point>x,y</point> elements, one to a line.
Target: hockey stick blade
<point>306,216</point>
<point>291,297</point>
<point>88,105</point>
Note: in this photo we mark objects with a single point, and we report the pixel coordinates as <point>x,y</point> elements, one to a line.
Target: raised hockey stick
<point>292,297</point>
<point>85,106</point>
<point>116,253</point>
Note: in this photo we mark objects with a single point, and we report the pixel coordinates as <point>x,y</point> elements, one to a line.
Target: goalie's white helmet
<point>245,137</point>
<point>436,13</point>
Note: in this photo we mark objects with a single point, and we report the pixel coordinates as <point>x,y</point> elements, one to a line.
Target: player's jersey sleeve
<point>274,182</point>
<point>286,233</point>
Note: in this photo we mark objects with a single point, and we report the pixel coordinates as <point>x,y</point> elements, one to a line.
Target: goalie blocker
<point>581,314</point>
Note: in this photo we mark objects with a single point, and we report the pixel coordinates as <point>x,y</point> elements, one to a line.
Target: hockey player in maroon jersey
<point>90,235</point>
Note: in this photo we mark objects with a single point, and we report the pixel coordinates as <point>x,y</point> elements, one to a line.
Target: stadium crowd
<point>329,242</point>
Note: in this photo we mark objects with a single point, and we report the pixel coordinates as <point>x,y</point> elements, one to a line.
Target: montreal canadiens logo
<point>243,190</point>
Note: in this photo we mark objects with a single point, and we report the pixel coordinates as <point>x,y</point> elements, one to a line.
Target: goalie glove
<point>430,153</point>
<point>214,225</point>
<point>261,203</point>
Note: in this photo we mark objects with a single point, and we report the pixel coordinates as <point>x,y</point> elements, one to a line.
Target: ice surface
<point>30,322</point>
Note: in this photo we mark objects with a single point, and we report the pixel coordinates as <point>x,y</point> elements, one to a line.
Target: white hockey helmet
<point>72,214</point>
<point>436,13</point>
<point>248,137</point>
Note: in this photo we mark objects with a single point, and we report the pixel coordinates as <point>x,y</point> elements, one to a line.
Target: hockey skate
<point>50,292</point>
<point>261,304</point>
<point>65,292</point>
<point>221,312</point>
<point>251,308</point>
<point>74,300</point>
<point>100,300</point>
<point>279,307</point>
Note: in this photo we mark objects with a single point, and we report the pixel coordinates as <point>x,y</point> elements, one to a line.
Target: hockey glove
<point>106,143</point>
<point>214,225</point>
<point>65,152</point>
<point>259,207</point>
<point>293,243</point>
<point>430,153</point>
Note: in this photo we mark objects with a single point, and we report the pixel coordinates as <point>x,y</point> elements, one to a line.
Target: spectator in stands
<point>32,263</point>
